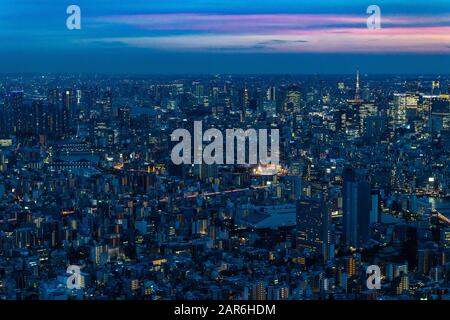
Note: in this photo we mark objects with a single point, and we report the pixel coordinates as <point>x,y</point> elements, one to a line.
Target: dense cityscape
<point>86,179</point>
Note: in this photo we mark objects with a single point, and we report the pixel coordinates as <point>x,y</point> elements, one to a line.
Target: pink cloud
<point>259,22</point>
<point>287,32</point>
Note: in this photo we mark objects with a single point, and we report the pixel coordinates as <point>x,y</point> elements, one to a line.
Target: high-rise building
<point>107,102</point>
<point>259,291</point>
<point>67,110</point>
<point>357,89</point>
<point>366,110</point>
<point>374,213</point>
<point>278,292</point>
<point>271,93</point>
<point>440,115</point>
<point>374,128</point>
<point>313,226</point>
<point>55,117</point>
<point>99,254</point>
<point>4,121</point>
<point>293,99</point>
<point>205,172</point>
<point>435,88</point>
<point>351,266</point>
<point>403,108</point>
<point>356,208</point>
<point>403,285</point>
<point>14,107</point>
<point>124,118</point>
<point>40,117</point>
<point>424,261</point>
<point>199,92</point>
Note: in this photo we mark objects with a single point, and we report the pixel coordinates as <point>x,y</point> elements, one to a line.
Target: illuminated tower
<point>356,101</point>
<point>246,101</point>
<point>357,94</point>
<point>67,111</point>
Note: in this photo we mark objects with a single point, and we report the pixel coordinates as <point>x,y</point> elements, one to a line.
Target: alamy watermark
<point>213,153</point>
<point>73,22</point>
<point>374,279</point>
<point>374,20</point>
<point>75,279</point>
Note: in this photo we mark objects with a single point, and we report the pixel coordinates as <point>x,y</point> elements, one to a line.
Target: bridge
<point>440,216</point>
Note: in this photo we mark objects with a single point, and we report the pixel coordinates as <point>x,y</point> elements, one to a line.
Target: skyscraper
<point>40,117</point>
<point>271,93</point>
<point>357,94</point>
<point>435,88</point>
<point>313,226</point>
<point>4,123</point>
<point>356,208</point>
<point>293,99</point>
<point>67,110</point>
<point>107,102</point>
<point>55,114</point>
<point>15,111</point>
<point>259,291</point>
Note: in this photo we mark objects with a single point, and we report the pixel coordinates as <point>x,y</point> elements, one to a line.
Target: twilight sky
<point>225,36</point>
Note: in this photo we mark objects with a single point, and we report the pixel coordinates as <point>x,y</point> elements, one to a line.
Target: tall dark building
<point>356,208</point>
<point>39,117</point>
<point>3,120</point>
<point>67,110</point>
<point>55,127</point>
<point>88,99</point>
<point>14,108</point>
<point>313,226</point>
<point>53,96</point>
<point>357,90</point>
<point>124,118</point>
<point>374,128</point>
<point>107,103</point>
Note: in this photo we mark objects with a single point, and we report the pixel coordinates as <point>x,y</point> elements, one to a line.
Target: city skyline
<point>230,150</point>
<point>93,206</point>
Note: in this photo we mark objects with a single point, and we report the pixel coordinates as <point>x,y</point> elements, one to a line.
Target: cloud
<point>274,43</point>
<point>418,40</point>
<point>280,32</point>
<point>263,23</point>
<point>277,41</point>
